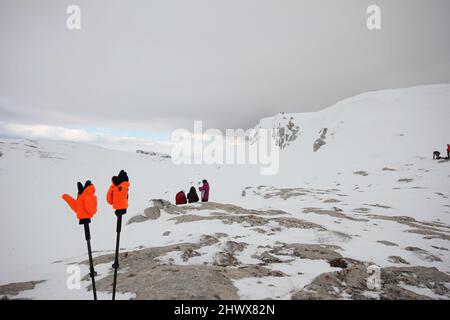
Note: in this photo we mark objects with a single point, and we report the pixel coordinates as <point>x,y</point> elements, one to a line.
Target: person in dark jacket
<point>192,195</point>
<point>180,198</point>
<point>436,155</point>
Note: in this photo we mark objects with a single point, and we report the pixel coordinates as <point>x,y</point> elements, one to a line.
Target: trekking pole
<point>85,207</point>
<point>92,272</point>
<point>115,266</point>
<point>117,196</point>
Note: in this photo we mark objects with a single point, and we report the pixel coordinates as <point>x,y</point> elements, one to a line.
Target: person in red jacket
<point>448,150</point>
<point>180,198</point>
<point>204,189</point>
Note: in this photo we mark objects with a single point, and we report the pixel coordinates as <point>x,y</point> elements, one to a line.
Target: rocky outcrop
<point>321,140</point>
<point>286,134</point>
<point>142,274</point>
<point>13,289</point>
<point>352,283</point>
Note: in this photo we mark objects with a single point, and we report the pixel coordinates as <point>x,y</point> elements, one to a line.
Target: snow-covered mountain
<point>383,126</point>
<point>357,186</point>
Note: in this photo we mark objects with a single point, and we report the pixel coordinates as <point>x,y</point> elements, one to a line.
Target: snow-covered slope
<point>351,169</point>
<point>371,128</point>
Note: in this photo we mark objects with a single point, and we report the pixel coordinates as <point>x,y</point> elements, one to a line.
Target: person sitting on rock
<point>180,198</point>
<point>192,195</point>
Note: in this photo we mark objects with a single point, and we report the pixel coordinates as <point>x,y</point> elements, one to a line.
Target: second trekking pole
<point>116,258</point>
<point>117,196</point>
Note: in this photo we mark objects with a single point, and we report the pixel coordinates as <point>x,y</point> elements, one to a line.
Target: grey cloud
<point>159,65</point>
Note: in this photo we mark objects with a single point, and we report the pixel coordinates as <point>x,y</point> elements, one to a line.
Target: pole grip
<point>87,233</point>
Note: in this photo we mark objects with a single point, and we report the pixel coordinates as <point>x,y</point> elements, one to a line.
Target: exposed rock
<point>129,257</point>
<point>361,173</point>
<point>297,223</point>
<point>191,218</point>
<point>397,259</point>
<point>308,251</point>
<point>423,254</point>
<point>142,275</point>
<point>152,213</point>
<point>189,253</point>
<point>287,193</point>
<point>430,278</point>
<point>161,203</point>
<point>225,259</point>
<point>285,135</point>
<point>266,257</point>
<point>420,227</point>
<point>352,283</point>
<point>251,220</point>
<point>13,289</point>
<point>259,230</point>
<point>321,140</point>
<point>137,219</point>
<point>333,213</point>
<point>430,228</point>
<point>431,234</point>
<point>440,248</point>
<point>220,235</point>
<point>331,201</point>
<point>165,234</point>
<point>343,263</point>
<point>232,246</point>
<point>335,285</point>
<point>388,243</point>
<point>207,240</point>
<point>405,180</point>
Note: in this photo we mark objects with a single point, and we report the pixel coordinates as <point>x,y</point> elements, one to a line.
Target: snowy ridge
<point>418,114</point>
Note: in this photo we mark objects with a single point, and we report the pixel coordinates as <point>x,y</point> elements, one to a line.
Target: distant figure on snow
<point>204,189</point>
<point>448,151</point>
<point>180,198</point>
<point>192,195</point>
<point>436,155</point>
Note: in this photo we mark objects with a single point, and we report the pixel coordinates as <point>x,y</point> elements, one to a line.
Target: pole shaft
<point>91,263</point>
<point>116,258</point>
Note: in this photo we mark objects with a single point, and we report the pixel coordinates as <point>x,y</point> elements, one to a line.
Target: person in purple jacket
<point>204,189</point>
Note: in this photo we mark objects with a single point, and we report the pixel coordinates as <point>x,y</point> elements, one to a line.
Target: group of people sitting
<point>192,196</point>
<point>437,154</point>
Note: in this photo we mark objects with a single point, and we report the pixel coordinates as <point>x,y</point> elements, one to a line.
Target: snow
<point>282,287</point>
<point>423,291</point>
<point>396,129</point>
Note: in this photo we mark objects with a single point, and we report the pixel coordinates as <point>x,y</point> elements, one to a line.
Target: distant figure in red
<point>192,196</point>
<point>204,189</point>
<point>448,151</point>
<point>180,198</point>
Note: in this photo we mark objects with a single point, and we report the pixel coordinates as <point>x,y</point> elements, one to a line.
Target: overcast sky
<point>144,68</point>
